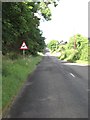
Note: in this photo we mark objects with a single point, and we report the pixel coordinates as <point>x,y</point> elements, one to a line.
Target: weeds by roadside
<point>14,74</point>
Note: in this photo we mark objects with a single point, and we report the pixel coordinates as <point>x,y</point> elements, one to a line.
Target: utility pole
<point>74,42</point>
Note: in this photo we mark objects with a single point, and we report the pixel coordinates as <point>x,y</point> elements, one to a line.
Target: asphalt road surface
<point>55,90</point>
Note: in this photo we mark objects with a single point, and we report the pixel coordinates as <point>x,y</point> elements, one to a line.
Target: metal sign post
<point>23,53</point>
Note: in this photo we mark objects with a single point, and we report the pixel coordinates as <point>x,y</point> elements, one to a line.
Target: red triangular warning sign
<point>23,47</point>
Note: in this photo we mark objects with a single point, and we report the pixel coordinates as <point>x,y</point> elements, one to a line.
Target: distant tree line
<point>77,48</point>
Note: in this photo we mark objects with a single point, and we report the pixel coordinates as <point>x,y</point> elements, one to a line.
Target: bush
<point>81,51</point>
<point>63,56</point>
<point>12,55</point>
<point>84,54</point>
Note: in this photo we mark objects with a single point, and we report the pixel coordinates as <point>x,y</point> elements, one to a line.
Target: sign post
<point>23,52</point>
<point>23,47</point>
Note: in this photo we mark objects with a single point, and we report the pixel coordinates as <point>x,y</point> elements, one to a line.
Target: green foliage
<point>80,41</point>
<point>45,10</point>
<point>19,23</point>
<point>63,56</point>
<point>84,53</point>
<point>14,74</point>
<point>53,45</point>
<point>71,54</point>
<point>61,48</point>
<point>12,55</point>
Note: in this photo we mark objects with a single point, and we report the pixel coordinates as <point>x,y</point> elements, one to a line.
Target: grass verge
<point>14,74</point>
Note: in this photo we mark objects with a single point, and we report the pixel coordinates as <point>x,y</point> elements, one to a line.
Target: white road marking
<point>72,74</point>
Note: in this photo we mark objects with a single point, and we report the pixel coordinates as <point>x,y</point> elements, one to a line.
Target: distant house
<point>63,42</point>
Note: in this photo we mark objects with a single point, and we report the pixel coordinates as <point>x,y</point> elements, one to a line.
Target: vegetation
<point>15,73</point>
<point>53,45</point>
<point>20,23</point>
<point>74,52</point>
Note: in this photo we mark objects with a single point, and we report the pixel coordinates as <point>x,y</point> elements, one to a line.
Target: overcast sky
<point>68,18</point>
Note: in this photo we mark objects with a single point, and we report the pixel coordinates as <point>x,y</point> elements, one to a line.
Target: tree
<point>81,51</point>
<point>19,23</point>
<point>53,45</point>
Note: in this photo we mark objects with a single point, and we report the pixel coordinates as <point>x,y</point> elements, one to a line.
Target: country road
<point>56,89</point>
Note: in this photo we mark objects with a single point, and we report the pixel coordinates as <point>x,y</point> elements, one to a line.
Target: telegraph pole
<point>74,42</point>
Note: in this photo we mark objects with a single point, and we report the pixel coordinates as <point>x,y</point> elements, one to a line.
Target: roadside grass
<point>14,74</point>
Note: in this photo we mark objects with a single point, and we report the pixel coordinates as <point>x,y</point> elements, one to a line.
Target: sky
<point>68,18</point>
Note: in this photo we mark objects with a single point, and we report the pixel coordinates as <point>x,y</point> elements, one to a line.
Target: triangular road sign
<point>23,47</point>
